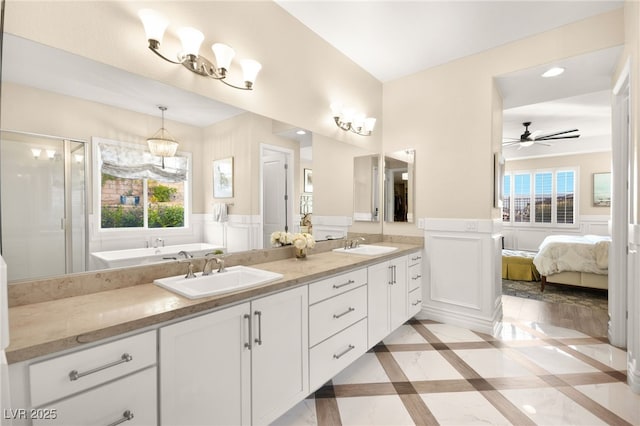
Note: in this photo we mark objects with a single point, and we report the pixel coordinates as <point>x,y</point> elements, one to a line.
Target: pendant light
<point>162,144</point>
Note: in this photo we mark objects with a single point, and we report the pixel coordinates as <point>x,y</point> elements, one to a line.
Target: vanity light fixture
<point>36,152</point>
<point>348,120</point>
<point>162,143</point>
<point>51,153</point>
<point>191,39</point>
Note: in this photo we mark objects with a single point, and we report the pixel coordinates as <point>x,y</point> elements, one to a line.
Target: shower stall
<point>43,199</point>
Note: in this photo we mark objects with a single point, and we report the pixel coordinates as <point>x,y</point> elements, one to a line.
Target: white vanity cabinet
<point>337,324</point>
<point>387,298</point>
<point>414,280</point>
<point>246,364</point>
<point>109,383</point>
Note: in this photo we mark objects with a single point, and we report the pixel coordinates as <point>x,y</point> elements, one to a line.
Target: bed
<point>574,260</point>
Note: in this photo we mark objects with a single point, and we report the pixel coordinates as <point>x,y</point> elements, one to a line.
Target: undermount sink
<point>366,249</point>
<point>232,279</point>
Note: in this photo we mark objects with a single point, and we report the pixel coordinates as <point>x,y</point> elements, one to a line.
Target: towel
<point>220,212</point>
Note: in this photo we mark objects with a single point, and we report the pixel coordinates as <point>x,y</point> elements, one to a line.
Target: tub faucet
<point>186,254</point>
<point>208,264</point>
<point>157,242</point>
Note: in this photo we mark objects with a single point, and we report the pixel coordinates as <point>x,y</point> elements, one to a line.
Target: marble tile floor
<point>430,373</point>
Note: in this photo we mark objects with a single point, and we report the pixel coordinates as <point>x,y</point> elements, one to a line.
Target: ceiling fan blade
<point>556,134</point>
<point>558,137</point>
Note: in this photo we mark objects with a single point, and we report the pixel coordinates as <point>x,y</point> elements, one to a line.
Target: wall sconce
<point>191,39</point>
<point>51,153</point>
<point>348,120</point>
<point>36,152</point>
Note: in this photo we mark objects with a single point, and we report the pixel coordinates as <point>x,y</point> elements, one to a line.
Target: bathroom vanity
<point>145,355</point>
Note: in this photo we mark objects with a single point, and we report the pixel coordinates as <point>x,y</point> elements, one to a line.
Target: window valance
<point>137,163</point>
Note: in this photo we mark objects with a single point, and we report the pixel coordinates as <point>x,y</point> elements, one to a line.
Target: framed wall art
<point>308,182</point>
<point>602,189</point>
<point>223,178</point>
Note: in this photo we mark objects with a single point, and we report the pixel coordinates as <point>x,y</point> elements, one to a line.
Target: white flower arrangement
<point>300,240</point>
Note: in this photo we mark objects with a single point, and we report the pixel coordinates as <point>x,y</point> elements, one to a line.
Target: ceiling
<point>446,30</point>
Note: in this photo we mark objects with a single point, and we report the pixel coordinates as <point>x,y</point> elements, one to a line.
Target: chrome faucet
<point>157,242</point>
<point>353,243</point>
<point>187,256</point>
<point>208,264</point>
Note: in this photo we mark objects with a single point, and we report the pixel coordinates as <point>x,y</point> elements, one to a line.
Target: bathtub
<point>144,256</point>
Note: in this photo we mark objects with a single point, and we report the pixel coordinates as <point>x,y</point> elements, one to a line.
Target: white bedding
<point>560,253</point>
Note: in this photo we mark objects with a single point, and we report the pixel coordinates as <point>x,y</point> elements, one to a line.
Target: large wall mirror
<point>399,186</point>
<point>366,188</point>
<point>81,99</point>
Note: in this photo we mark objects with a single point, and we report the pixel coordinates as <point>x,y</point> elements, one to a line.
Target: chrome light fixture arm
<point>154,46</point>
<point>350,127</point>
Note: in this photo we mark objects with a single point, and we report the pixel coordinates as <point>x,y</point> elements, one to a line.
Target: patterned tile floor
<point>430,373</point>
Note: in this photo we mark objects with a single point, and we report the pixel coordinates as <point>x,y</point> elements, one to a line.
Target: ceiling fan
<point>528,138</point>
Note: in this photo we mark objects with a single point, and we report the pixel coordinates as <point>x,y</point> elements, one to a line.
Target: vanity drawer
<point>415,276</point>
<point>328,317</point>
<point>334,354</point>
<point>415,301</point>
<point>333,286</point>
<point>415,258</point>
<point>55,378</point>
<point>130,400</point>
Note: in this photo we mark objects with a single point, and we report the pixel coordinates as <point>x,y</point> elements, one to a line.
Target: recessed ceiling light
<point>553,72</point>
<point>301,132</point>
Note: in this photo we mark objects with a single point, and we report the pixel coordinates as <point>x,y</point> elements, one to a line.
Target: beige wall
<point>36,111</point>
<point>450,115</point>
<point>587,165</point>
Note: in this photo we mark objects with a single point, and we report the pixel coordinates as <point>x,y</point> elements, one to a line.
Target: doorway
<point>44,215</point>
<point>276,191</point>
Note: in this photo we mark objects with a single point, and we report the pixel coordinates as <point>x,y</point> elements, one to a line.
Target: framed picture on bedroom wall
<point>602,189</point>
<point>223,178</point>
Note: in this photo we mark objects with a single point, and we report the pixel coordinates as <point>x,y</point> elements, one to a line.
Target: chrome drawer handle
<point>417,277</point>
<point>416,258</point>
<point>75,375</point>
<point>126,416</point>
<point>336,316</point>
<point>419,301</point>
<point>343,353</point>
<point>342,285</point>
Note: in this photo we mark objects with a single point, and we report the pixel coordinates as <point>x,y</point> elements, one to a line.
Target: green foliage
<point>122,217</point>
<point>163,193</point>
<point>166,216</point>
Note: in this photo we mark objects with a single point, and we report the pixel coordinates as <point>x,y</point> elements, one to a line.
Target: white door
<point>280,354</point>
<point>276,193</point>
<point>205,373</point>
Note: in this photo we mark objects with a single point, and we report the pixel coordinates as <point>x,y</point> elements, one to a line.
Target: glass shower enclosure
<point>43,205</point>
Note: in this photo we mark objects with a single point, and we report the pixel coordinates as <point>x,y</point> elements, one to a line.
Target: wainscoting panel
<point>331,227</point>
<point>462,271</point>
<point>455,264</point>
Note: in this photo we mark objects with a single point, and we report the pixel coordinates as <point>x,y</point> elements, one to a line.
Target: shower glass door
<point>43,198</point>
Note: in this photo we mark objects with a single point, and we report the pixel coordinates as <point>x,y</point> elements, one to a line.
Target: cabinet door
<point>379,281</point>
<point>205,369</point>
<point>399,293</point>
<point>280,354</point>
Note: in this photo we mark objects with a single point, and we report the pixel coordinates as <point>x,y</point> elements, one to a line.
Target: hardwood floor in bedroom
<point>589,321</point>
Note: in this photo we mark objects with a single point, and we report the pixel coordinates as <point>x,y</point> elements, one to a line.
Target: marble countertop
<point>43,328</point>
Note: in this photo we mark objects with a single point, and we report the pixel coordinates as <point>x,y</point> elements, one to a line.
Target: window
<point>543,197</point>
<point>138,191</point>
<point>551,193</point>
<point>522,198</point>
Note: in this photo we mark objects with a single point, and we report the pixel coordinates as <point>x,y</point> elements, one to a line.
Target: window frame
<point>99,232</point>
<point>554,201</point>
